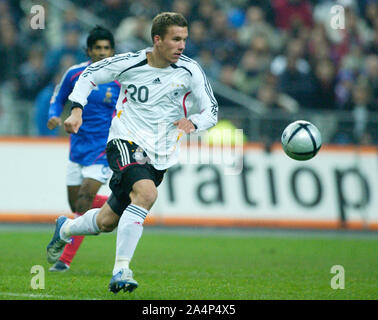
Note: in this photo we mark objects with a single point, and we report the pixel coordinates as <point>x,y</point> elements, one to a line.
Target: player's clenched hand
<point>54,122</point>
<point>184,125</point>
<point>73,123</point>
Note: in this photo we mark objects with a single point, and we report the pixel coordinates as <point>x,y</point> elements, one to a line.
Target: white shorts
<point>76,173</point>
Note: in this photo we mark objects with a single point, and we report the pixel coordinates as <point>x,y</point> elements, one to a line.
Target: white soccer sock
<point>83,225</point>
<point>130,228</point>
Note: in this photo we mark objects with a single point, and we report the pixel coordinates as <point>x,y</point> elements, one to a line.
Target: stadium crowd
<point>284,53</point>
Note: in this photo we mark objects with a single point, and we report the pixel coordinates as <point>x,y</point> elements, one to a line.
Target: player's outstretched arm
<point>59,98</point>
<point>73,123</point>
<point>103,71</point>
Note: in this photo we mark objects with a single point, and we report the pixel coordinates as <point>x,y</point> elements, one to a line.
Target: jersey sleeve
<point>208,105</point>
<point>60,95</point>
<point>103,71</point>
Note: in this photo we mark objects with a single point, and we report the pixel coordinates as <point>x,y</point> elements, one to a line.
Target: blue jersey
<point>88,145</point>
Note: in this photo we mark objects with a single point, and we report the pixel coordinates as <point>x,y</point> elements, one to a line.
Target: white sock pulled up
<point>130,229</point>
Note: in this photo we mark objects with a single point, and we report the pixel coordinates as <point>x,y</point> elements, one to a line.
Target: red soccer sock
<point>99,201</point>
<point>71,249</point>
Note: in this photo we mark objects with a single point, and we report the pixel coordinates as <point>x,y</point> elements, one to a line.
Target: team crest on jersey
<point>108,96</point>
<point>140,156</point>
<point>177,92</point>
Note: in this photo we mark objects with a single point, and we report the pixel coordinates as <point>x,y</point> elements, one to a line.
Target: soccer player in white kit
<point>144,137</point>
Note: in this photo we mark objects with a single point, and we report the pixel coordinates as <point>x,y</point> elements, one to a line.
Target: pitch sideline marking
<point>32,295</point>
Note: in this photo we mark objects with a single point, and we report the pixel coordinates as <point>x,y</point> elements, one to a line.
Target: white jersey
<point>151,100</point>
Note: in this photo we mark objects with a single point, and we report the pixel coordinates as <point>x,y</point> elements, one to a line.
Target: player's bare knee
<point>106,225</point>
<point>150,197</point>
<point>144,198</point>
<point>106,220</point>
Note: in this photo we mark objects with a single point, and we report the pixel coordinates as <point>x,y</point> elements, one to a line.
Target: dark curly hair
<point>99,33</point>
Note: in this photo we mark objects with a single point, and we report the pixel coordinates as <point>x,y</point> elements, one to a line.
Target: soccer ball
<point>301,140</point>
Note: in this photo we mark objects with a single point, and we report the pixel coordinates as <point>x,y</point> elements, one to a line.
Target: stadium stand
<point>282,54</point>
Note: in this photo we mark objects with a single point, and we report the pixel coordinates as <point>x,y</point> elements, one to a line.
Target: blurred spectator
<point>224,45</point>
<point>295,50</point>
<point>353,60</point>
<point>361,98</point>
<point>370,75</point>
<point>204,12</point>
<point>361,106</point>
<point>10,51</point>
<point>272,100</point>
<point>197,40</point>
<point>372,46</point>
<point>227,76</point>
<point>145,8</point>
<point>33,75</point>
<point>260,46</point>
<point>292,15</point>
<point>182,6</point>
<point>325,85</point>
<point>133,34</point>
<point>370,13</point>
<point>256,25</point>
<point>113,11</point>
<point>297,84</point>
<point>250,73</point>
<point>343,89</point>
<point>319,47</point>
<point>71,46</point>
<point>357,130</point>
<point>208,63</point>
<point>274,103</point>
<point>11,9</point>
<point>254,64</point>
<point>266,7</point>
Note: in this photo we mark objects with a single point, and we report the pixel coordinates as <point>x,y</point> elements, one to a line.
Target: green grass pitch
<point>197,266</point>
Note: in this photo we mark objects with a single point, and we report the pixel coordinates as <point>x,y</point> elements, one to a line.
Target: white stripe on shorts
<point>125,159</point>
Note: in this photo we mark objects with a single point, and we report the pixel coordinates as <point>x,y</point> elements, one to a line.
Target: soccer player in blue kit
<point>88,168</point>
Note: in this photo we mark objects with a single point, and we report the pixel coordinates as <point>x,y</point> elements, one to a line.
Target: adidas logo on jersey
<point>156,81</point>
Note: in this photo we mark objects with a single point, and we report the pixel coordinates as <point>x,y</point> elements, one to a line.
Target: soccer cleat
<point>59,266</point>
<point>56,246</point>
<point>123,280</point>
